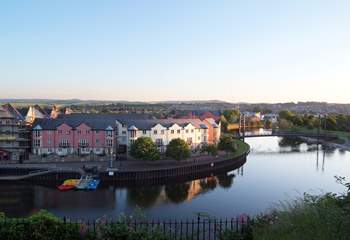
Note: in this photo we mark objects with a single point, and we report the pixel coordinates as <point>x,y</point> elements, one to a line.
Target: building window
<point>109,142</point>
<point>97,141</point>
<point>162,131</point>
<point>59,131</point>
<point>124,132</point>
<point>192,131</point>
<point>64,143</point>
<point>109,133</point>
<point>36,142</point>
<point>172,131</point>
<point>189,141</point>
<point>87,131</point>
<point>159,142</point>
<point>178,131</point>
<point>37,133</point>
<point>132,141</point>
<point>96,131</point>
<point>155,132</point>
<point>186,130</point>
<point>144,132</point>
<point>132,133</point>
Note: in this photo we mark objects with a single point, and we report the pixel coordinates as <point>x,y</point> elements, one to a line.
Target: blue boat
<point>93,184</point>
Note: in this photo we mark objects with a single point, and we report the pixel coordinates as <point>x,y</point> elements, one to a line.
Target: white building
<point>194,131</point>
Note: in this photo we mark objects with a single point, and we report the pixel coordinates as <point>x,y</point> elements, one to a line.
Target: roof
<point>145,124</point>
<point>94,121</point>
<point>4,113</point>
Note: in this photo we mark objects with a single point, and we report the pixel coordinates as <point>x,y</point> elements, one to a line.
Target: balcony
<point>83,144</point>
<point>64,145</point>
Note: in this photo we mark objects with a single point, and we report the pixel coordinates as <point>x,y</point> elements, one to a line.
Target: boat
<point>68,184</point>
<point>83,182</point>
<point>93,184</point>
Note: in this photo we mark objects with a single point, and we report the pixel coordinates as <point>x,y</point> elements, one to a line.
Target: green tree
<point>210,149</point>
<point>231,115</point>
<point>285,124</point>
<point>227,144</point>
<point>286,114</point>
<point>178,149</point>
<point>144,148</point>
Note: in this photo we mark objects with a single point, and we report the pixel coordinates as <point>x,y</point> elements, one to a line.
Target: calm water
<point>276,170</point>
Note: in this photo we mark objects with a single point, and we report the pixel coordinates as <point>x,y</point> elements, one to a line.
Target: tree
<point>178,149</point>
<point>227,144</point>
<point>210,149</point>
<point>286,114</point>
<point>285,124</point>
<point>144,148</point>
<point>231,115</point>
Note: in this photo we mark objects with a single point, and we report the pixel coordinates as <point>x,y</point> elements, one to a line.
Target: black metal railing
<point>194,229</point>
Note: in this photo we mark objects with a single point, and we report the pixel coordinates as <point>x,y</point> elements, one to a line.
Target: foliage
<point>227,144</point>
<point>312,217</point>
<point>286,114</point>
<point>231,115</point>
<point>144,148</point>
<point>210,149</point>
<point>40,226</point>
<point>285,124</point>
<point>178,149</point>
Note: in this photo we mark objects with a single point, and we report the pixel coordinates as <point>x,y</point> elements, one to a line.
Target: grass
<point>345,136</point>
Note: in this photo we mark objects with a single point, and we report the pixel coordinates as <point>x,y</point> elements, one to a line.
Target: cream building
<point>194,131</point>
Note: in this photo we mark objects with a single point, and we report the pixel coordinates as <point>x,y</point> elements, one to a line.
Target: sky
<point>154,50</point>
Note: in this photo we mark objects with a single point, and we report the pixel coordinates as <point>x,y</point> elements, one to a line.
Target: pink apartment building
<point>74,134</point>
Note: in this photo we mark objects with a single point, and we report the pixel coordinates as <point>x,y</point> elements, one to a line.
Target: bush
<point>210,149</point>
<point>144,148</point>
<point>227,144</point>
<point>178,149</point>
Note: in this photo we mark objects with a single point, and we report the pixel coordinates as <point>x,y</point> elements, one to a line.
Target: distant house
<point>35,112</point>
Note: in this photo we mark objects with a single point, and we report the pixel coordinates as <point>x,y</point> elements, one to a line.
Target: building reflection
<point>49,198</point>
<point>148,196</point>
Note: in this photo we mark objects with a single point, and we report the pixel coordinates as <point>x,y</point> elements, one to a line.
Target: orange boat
<point>68,184</point>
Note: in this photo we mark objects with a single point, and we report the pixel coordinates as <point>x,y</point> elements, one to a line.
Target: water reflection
<point>273,170</point>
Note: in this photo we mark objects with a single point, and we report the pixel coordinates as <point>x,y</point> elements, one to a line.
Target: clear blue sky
<point>253,51</point>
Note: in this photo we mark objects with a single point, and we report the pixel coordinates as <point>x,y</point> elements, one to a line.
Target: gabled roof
<point>95,121</point>
<point>14,111</point>
<point>5,114</point>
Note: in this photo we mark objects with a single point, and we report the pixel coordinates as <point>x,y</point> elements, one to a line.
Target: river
<point>277,171</point>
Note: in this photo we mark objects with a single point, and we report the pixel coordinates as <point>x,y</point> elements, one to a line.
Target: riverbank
<point>130,171</point>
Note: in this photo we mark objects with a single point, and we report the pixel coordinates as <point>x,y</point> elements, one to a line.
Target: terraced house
<point>101,134</point>
<point>195,132</point>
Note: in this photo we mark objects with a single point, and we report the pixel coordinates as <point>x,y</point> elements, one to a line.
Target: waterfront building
<point>14,135</point>
<point>81,133</point>
<point>195,132</point>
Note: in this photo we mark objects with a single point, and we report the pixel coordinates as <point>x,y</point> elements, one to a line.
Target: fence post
<point>198,222</point>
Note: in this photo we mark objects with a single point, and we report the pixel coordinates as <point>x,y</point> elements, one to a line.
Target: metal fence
<point>194,229</point>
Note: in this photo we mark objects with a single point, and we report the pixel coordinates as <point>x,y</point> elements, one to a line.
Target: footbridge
<point>282,133</point>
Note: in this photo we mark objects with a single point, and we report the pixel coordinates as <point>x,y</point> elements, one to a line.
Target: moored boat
<point>68,184</point>
<point>83,182</point>
<point>93,184</point>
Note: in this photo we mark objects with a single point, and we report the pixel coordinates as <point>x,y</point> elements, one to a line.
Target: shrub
<point>178,149</point>
<point>227,144</point>
<point>144,148</point>
<point>210,149</point>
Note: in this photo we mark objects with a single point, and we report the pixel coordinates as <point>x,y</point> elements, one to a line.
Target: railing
<point>195,229</point>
